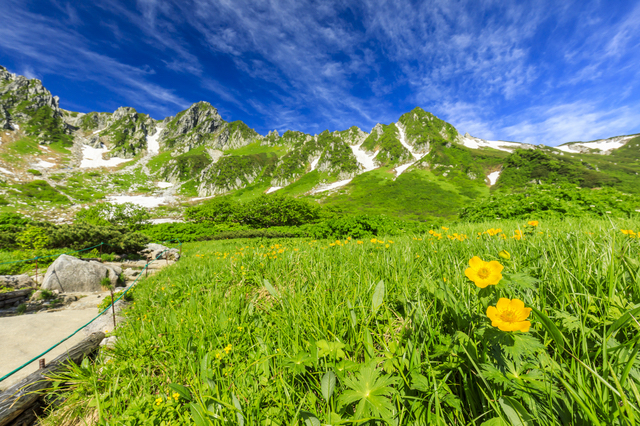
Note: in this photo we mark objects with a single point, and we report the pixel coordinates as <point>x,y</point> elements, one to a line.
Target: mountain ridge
<point>197,154</point>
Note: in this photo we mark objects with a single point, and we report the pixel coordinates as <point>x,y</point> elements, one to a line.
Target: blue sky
<point>531,71</point>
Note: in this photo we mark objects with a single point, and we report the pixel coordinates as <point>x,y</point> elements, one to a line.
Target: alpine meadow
<point>291,223</point>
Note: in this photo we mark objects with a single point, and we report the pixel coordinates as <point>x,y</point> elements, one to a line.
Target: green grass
<point>256,148</point>
<point>303,332</point>
<point>416,194</point>
<point>306,183</point>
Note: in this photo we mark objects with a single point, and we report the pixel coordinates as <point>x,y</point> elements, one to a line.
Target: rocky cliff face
<point>21,97</point>
<point>26,103</point>
<point>199,125</point>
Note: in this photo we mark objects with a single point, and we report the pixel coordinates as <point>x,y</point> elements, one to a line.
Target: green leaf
<point>181,390</point>
<point>198,418</point>
<point>328,384</point>
<point>272,291</point>
<point>370,391</point>
<point>517,414</point>
<point>310,419</point>
<point>496,421</point>
<point>551,328</point>
<point>623,320</point>
<point>378,296</point>
<point>236,404</point>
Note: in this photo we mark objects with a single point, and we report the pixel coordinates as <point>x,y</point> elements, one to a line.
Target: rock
<point>153,251</point>
<point>70,274</point>
<point>17,281</point>
<point>109,342</point>
<point>131,273</point>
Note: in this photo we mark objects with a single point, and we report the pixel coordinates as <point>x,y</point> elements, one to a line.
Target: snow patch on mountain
<point>275,188</point>
<point>605,146</point>
<point>44,164</point>
<point>364,159</point>
<point>92,157</point>
<point>416,155</point>
<point>493,177</point>
<point>140,200</point>
<point>153,146</point>
<point>5,171</point>
<point>477,143</point>
<point>314,164</point>
<point>334,185</point>
<point>403,141</point>
<point>164,184</point>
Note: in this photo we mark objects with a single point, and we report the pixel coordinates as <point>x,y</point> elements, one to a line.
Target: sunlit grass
<point>384,329</point>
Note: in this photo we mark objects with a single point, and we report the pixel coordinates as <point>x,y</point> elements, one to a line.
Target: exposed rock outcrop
<point>17,281</point>
<point>70,274</point>
<point>21,97</point>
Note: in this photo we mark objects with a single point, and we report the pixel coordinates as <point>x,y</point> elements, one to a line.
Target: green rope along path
<point>135,282</point>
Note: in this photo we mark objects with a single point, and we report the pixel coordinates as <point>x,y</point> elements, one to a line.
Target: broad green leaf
<point>551,328</point>
<point>198,418</point>
<point>236,404</point>
<point>352,313</point>
<point>310,419</point>
<point>624,319</point>
<point>496,421</point>
<point>370,391</point>
<point>378,296</point>
<point>327,384</point>
<point>272,291</point>
<point>517,414</point>
<point>181,390</point>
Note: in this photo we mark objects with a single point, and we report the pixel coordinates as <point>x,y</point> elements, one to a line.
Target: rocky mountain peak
<point>21,97</point>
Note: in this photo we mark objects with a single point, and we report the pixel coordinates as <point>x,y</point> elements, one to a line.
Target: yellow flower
<point>176,396</point>
<point>484,273</point>
<point>504,254</point>
<point>359,242</point>
<point>517,234</point>
<point>446,229</point>
<point>228,348</point>
<point>158,401</point>
<point>626,231</point>
<point>533,223</point>
<point>509,315</point>
<point>386,245</point>
<point>373,240</point>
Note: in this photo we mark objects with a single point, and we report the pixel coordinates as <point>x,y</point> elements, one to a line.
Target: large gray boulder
<point>70,274</point>
<point>17,281</point>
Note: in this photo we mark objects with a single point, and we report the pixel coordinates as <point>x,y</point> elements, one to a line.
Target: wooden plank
<point>25,394</point>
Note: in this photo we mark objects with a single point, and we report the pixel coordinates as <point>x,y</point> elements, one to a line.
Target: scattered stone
<point>109,342</point>
<point>17,281</point>
<point>70,274</point>
<point>131,273</point>
<point>153,251</point>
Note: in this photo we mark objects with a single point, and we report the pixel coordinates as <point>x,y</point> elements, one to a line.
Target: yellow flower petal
<point>476,263</point>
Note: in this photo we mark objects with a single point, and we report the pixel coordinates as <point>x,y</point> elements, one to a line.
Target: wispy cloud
<point>56,49</point>
<point>538,71</point>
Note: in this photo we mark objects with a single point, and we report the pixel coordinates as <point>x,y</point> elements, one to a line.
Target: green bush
<point>186,232</point>
<point>261,212</point>
<point>35,172</point>
<point>278,210</point>
<point>217,210</point>
<point>106,214</point>
<point>544,201</point>
<point>82,235</point>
